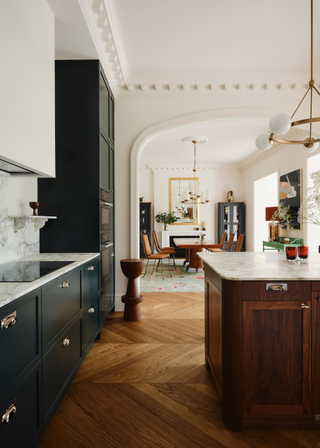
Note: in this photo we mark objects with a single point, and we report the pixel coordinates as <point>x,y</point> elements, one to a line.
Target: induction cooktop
<point>28,271</point>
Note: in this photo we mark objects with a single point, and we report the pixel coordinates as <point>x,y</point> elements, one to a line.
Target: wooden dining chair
<point>239,243</point>
<point>151,256</point>
<point>229,246</point>
<point>163,250</point>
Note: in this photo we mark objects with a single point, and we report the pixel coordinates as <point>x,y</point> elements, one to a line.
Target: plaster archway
<point>153,132</point>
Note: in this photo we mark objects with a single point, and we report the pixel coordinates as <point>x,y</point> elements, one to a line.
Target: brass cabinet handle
<point>10,413</point>
<point>65,284</point>
<point>304,306</point>
<point>91,310</point>
<point>66,342</point>
<point>276,287</point>
<point>8,321</point>
<point>91,268</point>
<point>112,255</point>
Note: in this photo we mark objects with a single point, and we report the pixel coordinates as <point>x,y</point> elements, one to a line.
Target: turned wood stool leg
<point>132,269</point>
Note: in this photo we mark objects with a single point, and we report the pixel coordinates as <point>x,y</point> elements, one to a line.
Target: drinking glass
<point>303,252</point>
<point>291,253</point>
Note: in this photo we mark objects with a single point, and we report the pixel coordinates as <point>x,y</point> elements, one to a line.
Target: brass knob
<point>65,284</point>
<point>91,268</point>
<point>304,306</point>
<point>66,342</point>
<point>8,321</point>
<point>10,413</point>
<point>91,310</point>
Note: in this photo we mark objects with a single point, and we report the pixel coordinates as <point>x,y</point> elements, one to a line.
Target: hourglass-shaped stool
<point>132,269</point>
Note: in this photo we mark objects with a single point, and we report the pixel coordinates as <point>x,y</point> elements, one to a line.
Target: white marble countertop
<point>261,266</point>
<point>11,291</point>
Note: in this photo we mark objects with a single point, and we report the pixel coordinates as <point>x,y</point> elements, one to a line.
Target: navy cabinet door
<point>104,106</point>
<point>20,342</point>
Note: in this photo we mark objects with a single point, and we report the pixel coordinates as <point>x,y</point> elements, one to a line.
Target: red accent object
<point>291,253</point>
<point>303,252</point>
<point>269,212</point>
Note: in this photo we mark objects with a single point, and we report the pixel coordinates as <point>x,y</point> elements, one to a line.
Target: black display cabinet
<point>231,218</point>
<point>84,118</point>
<point>145,223</point>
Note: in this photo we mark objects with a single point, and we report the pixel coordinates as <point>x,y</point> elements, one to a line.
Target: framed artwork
<point>290,193</point>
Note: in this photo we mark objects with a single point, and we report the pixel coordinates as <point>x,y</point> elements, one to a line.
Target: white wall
<point>27,84</point>
<point>287,159</point>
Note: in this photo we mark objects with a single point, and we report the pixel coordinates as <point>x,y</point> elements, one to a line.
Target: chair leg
<point>174,262</point>
<point>158,264</point>
<point>146,268</point>
<point>154,265</point>
<point>162,269</point>
<point>170,267</point>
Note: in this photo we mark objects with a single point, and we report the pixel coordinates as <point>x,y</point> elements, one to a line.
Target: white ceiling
<point>229,142</point>
<point>172,40</point>
<point>217,36</point>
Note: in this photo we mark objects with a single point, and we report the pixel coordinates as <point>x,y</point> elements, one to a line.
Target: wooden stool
<point>132,269</point>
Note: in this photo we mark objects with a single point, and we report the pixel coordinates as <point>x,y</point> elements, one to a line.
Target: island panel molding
<point>262,345</point>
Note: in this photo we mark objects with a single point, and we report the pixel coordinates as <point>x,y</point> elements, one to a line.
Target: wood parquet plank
<point>145,385</point>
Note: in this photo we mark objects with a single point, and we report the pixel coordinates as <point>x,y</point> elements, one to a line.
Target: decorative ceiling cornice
<point>187,169</point>
<point>214,87</point>
<point>103,25</point>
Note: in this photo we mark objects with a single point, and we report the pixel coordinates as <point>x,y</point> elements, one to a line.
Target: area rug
<point>181,281</point>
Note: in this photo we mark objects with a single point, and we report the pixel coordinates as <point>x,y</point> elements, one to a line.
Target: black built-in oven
<point>106,239</point>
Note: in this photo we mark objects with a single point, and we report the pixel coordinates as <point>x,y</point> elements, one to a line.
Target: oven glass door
<point>106,262</point>
<point>105,216</point>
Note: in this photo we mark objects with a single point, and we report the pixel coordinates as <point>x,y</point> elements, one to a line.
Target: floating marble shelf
<point>38,221</point>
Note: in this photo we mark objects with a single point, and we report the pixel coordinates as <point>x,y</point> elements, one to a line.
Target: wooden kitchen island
<point>262,343</point>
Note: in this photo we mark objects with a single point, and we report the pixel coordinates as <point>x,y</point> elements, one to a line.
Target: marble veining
<point>15,244</point>
<point>14,290</point>
<point>262,266</point>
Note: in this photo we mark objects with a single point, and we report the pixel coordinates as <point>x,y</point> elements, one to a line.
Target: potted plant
<point>284,216</point>
<point>166,218</point>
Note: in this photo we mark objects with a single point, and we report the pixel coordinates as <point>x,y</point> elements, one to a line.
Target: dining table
<point>192,246</point>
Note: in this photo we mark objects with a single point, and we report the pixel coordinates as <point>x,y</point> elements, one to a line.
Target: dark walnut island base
<point>263,346</point>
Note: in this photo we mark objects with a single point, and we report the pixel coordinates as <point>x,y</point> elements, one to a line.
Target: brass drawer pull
<point>65,284</point>
<point>91,268</point>
<point>10,413</point>
<point>304,306</point>
<point>8,321</point>
<point>66,342</point>
<point>91,310</point>
<point>278,287</point>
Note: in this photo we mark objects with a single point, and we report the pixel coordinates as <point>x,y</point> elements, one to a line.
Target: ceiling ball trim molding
<point>103,24</point>
<point>182,168</point>
<point>197,87</point>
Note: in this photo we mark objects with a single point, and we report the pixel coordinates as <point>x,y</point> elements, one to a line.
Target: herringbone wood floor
<point>145,385</point>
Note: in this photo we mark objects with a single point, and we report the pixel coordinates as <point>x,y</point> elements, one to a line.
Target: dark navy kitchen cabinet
<point>84,184</point>
<point>44,337</point>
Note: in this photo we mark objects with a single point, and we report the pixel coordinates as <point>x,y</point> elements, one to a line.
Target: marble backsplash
<point>14,245</point>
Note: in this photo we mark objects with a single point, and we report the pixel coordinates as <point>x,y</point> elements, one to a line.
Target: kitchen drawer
<point>59,363</point>
<point>24,428</point>
<point>90,322</point>
<point>20,341</point>
<point>293,291</point>
<point>61,300</point>
<point>90,280</point>
<point>105,196</point>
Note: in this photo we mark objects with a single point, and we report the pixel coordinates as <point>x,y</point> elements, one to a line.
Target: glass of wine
<point>291,253</point>
<point>303,252</point>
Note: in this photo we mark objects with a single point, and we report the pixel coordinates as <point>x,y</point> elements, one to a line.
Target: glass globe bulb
<point>262,142</point>
<point>309,149</point>
<point>280,124</point>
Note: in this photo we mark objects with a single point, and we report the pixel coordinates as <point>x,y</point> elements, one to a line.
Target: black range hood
<point>11,169</point>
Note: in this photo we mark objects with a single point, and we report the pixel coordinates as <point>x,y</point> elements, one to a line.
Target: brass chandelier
<point>194,194</point>
<point>281,123</point>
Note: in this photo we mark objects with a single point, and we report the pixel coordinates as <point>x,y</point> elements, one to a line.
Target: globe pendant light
<point>194,193</point>
<point>281,123</point>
